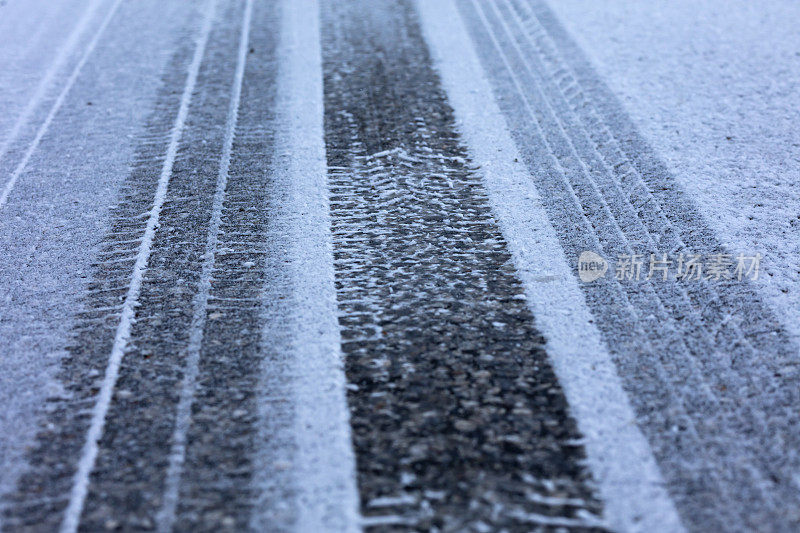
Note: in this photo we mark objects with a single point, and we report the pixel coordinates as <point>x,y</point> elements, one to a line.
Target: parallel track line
<point>166,516</point>
<point>86,463</point>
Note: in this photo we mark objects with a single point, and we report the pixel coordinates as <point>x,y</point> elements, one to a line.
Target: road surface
<point>427,265</point>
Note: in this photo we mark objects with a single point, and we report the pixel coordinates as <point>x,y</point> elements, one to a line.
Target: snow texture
<point>715,89</point>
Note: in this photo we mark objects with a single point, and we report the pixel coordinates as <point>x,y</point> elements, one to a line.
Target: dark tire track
<point>458,421</point>
<point>216,491</point>
<point>128,480</point>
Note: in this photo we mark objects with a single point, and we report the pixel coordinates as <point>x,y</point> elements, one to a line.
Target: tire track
<point>582,191</point>
<point>217,490</point>
<point>629,482</point>
<point>458,421</point>
<point>57,484</point>
<point>697,350</point>
<point>166,516</point>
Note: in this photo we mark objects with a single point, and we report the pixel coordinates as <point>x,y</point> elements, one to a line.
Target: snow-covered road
<point>313,265</point>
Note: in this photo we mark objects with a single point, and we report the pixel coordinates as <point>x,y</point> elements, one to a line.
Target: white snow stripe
<point>554,500</point>
<point>42,88</point>
<point>80,486</point>
<point>323,465</point>
<point>387,520</point>
<point>167,514</point>
<point>586,521</point>
<point>619,456</point>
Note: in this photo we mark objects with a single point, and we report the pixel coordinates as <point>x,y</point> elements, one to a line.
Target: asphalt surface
<point>312,266</point>
<point>457,415</point>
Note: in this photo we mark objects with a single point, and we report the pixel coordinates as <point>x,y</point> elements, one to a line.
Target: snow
<point>22,120</point>
<point>305,334</point>
<point>35,52</point>
<point>715,89</point>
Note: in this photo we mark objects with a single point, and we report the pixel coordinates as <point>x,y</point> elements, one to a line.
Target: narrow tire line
<point>619,456</point>
<point>167,514</point>
<point>12,181</point>
<point>86,463</point>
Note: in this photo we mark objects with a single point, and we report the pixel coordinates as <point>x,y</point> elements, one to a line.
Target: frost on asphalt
<point>312,265</point>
